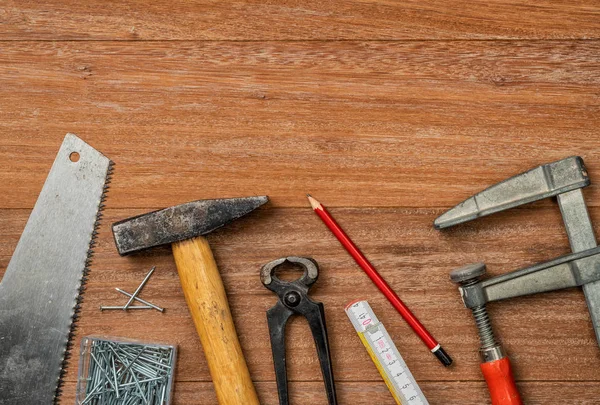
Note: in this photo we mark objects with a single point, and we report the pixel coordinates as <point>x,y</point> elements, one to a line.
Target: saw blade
<point>40,291</point>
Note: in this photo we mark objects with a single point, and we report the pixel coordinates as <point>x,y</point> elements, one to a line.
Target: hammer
<point>182,226</point>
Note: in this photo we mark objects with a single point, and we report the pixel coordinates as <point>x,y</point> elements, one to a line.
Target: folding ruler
<point>385,355</point>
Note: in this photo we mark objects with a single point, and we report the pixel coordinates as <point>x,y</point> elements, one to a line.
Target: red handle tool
<point>501,383</point>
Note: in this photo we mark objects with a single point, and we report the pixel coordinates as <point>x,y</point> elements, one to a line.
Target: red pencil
<point>384,287</point>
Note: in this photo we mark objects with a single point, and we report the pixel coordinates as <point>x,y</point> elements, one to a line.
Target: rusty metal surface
<point>545,181</point>
<point>564,180</point>
<point>180,222</point>
<point>40,292</point>
<point>294,300</point>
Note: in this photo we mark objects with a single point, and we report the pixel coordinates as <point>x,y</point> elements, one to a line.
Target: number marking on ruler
<point>385,355</point>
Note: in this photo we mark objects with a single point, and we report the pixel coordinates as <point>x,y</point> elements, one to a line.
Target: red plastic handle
<point>501,383</point>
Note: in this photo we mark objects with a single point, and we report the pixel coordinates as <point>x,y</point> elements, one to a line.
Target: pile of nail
<point>115,372</point>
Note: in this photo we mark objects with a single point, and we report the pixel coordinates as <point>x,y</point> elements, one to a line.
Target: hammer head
<point>180,222</point>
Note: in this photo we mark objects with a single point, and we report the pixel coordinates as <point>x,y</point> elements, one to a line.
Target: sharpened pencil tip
<point>313,203</point>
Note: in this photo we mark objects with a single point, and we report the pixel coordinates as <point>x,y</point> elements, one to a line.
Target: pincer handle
<point>501,383</point>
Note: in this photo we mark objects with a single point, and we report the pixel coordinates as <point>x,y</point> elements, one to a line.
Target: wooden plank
<point>448,393</point>
<point>298,20</point>
<point>411,124</point>
<point>549,336</point>
<point>386,133</point>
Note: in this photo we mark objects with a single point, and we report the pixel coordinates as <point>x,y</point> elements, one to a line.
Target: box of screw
<point>122,371</point>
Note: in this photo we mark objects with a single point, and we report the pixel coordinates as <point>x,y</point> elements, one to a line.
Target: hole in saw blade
<point>74,157</point>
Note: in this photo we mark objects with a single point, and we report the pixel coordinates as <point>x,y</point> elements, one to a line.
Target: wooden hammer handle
<point>207,301</point>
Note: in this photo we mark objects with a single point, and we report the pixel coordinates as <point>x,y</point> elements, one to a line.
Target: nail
<point>103,308</point>
<point>126,373</point>
<point>140,300</point>
<point>139,288</point>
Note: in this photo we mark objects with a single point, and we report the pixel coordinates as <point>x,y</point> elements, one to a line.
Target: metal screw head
<point>468,273</point>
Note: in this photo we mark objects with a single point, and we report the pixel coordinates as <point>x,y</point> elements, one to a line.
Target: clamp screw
<point>467,276</point>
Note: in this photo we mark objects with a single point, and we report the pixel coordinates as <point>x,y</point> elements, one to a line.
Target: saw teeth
<point>84,279</point>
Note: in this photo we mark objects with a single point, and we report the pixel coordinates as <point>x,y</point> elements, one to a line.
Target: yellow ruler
<point>385,355</point>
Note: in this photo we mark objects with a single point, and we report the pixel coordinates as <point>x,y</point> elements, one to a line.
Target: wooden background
<point>389,112</point>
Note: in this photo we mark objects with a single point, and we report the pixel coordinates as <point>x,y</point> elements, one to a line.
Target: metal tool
<point>496,367</point>
<point>385,355</point>
<point>294,300</point>
<point>564,180</point>
<point>40,294</point>
<point>182,226</point>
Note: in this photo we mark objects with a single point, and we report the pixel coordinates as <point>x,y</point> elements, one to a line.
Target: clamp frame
<point>563,179</point>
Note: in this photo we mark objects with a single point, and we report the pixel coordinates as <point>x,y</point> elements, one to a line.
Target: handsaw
<point>40,294</point>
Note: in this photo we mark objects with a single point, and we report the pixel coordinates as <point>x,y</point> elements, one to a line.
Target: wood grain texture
<point>389,112</point>
<point>451,393</point>
<point>298,20</point>
<point>417,124</point>
<point>549,336</point>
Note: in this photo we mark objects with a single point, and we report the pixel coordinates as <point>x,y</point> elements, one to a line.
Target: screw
<point>465,277</point>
